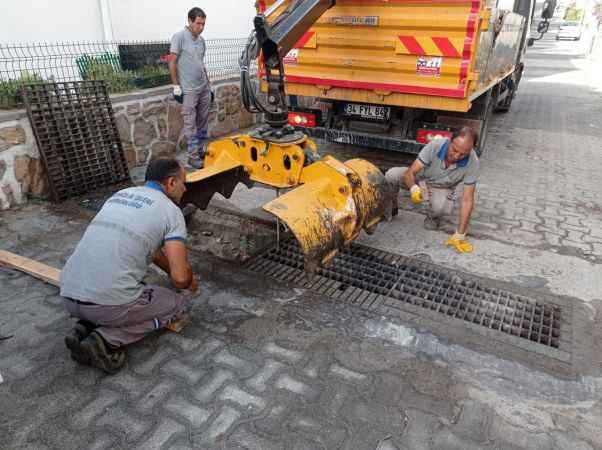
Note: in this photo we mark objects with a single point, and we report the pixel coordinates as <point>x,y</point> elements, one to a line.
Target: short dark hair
<point>466,132</point>
<point>162,168</point>
<point>196,12</point>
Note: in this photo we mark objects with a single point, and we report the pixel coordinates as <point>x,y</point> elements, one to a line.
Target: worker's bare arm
<point>180,271</point>
<point>173,68</point>
<point>161,261</point>
<point>466,208</point>
<point>409,177</point>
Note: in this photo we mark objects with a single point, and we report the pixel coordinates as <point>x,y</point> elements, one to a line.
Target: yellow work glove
<point>458,241</point>
<point>416,194</point>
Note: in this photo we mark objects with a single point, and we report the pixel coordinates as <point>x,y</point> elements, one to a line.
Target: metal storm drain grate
<point>393,284</point>
<point>77,136</point>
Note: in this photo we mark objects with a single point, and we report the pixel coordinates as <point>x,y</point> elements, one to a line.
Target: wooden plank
<point>52,275</point>
<point>48,274</point>
<point>178,325</point>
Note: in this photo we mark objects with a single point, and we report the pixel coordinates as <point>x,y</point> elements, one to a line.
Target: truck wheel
<point>504,107</point>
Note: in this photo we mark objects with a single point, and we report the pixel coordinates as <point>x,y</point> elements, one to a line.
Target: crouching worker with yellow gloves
<point>433,177</point>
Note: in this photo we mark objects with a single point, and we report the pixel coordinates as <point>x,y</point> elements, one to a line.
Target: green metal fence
<point>124,66</point>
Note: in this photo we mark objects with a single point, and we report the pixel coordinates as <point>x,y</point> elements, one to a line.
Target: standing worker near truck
<point>191,85</point>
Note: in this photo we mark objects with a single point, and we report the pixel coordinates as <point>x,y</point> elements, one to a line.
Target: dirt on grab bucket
<point>228,235</point>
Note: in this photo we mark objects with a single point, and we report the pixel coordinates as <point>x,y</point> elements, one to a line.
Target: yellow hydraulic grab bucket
<point>245,159</point>
<point>222,173</point>
<point>328,204</point>
<point>333,204</point>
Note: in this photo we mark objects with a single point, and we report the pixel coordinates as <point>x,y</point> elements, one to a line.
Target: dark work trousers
<point>123,324</point>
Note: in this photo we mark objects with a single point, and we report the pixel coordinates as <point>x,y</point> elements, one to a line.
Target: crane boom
<point>281,27</point>
<point>276,31</point>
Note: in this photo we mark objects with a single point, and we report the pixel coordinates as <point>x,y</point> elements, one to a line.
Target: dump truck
<point>395,74</point>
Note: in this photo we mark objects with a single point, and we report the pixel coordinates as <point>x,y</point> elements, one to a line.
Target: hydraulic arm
<point>276,32</point>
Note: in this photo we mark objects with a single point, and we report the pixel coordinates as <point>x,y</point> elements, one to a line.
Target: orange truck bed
<point>431,54</point>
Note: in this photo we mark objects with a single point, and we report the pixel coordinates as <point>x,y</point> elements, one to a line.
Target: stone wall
<point>21,171</point>
<point>149,124</point>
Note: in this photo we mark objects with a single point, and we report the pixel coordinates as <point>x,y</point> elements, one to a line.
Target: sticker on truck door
<point>429,67</point>
<point>291,57</point>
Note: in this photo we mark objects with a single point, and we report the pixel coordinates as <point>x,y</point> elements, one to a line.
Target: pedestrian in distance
<point>102,281</point>
<point>434,177</point>
<point>191,86</point>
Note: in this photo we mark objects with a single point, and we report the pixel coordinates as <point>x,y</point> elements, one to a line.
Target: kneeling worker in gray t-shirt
<point>102,280</point>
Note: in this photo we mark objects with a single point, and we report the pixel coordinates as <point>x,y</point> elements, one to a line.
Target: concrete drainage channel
<point>393,285</point>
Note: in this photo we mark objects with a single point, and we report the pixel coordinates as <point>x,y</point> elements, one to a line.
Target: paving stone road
<point>272,369</point>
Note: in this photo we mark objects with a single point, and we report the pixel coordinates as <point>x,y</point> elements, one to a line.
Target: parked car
<point>569,30</point>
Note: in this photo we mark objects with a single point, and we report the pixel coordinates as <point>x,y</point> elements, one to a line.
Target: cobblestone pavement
<point>264,366</point>
<point>261,368</point>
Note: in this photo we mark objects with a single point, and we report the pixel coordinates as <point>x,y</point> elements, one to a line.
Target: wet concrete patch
<point>530,282</point>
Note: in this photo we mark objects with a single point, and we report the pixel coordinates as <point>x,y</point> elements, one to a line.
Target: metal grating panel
<point>77,136</point>
<point>390,283</point>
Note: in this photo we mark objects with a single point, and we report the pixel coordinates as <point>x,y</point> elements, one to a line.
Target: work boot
<point>195,163</point>
<point>431,223</point>
<point>81,330</point>
<point>94,351</point>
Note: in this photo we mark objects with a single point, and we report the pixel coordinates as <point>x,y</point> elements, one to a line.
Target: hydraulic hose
<point>248,85</point>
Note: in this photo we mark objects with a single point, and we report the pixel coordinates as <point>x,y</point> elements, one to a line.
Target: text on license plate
<point>368,111</point>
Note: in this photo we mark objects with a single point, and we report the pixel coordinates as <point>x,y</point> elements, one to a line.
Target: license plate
<point>374,112</point>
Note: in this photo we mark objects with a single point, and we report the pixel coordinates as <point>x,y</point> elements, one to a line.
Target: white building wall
<point>49,21</point>
<point>138,20</point>
<point>159,19</point>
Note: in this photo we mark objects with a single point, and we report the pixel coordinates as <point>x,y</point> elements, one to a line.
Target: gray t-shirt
<point>191,60</point>
<point>437,175</point>
<point>112,258</point>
